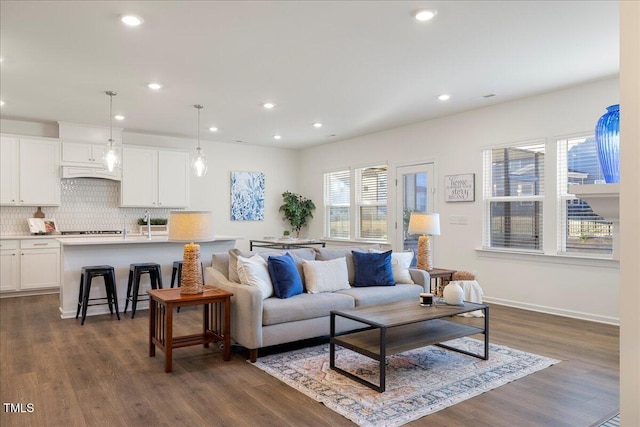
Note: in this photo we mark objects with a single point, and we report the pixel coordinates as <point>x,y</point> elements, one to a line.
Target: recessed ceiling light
<point>277,136</point>
<point>118,117</point>
<point>425,14</point>
<point>131,20</point>
<point>154,86</point>
<point>268,105</point>
<point>444,97</point>
<point>213,129</point>
<point>317,125</point>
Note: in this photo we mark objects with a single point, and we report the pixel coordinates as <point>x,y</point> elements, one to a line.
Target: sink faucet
<point>147,218</point>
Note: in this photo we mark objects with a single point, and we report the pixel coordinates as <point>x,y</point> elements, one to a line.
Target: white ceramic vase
<point>453,294</point>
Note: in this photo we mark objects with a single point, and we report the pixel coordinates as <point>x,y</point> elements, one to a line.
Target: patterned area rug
<point>418,382</point>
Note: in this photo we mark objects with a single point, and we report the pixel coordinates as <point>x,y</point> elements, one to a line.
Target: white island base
<point>78,252</point>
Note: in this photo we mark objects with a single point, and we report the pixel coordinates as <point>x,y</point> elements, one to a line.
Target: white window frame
<point>554,201</point>
<point>489,198</point>
<point>359,202</point>
<point>355,202</point>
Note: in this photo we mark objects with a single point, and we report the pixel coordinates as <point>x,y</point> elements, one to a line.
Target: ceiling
<point>357,67</point>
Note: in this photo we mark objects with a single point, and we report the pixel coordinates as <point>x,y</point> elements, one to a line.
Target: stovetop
<point>92,232</point>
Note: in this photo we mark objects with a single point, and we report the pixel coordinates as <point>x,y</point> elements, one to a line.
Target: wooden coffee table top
<point>404,312</point>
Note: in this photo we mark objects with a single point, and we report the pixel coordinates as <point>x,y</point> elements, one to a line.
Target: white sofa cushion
<point>254,272</point>
<point>326,276</point>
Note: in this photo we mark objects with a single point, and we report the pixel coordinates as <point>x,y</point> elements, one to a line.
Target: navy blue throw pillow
<point>372,269</point>
<point>284,276</point>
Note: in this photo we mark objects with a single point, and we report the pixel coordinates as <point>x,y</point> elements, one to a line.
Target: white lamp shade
<point>190,226</point>
<point>425,224</point>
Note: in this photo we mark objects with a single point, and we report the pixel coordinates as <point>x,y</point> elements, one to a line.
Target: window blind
<point>371,201</point>
<point>337,198</point>
<point>580,230</point>
<point>513,196</point>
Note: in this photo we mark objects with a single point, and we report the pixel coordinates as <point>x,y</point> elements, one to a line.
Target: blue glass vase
<point>608,144</point>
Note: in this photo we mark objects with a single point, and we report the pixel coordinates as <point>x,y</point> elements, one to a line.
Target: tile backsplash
<point>86,204</point>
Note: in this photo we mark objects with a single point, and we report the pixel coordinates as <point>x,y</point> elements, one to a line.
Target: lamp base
<point>191,281</point>
<point>425,257</point>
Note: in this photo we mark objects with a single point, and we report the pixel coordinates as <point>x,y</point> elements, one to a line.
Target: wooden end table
<point>216,321</point>
<point>439,278</point>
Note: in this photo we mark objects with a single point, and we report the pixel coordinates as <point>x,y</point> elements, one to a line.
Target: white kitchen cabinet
<point>84,160</point>
<point>9,265</point>
<point>9,175</point>
<point>32,176</point>
<point>29,265</point>
<point>39,264</point>
<point>155,178</point>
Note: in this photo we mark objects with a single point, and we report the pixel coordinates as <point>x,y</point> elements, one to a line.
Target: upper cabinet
<point>155,178</point>
<point>29,169</point>
<point>85,160</point>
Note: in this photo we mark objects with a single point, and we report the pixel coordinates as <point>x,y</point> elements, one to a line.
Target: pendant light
<point>199,162</point>
<point>111,158</point>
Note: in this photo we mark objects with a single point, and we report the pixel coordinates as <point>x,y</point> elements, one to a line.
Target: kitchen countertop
<point>85,240</point>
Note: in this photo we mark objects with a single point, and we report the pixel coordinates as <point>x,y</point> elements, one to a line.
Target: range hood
<point>90,172</point>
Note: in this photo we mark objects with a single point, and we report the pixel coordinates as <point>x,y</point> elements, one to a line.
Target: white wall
<point>630,212</point>
<point>579,289</point>
<point>212,192</point>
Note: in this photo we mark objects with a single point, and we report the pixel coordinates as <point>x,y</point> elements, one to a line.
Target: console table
<point>285,243</point>
<point>216,311</point>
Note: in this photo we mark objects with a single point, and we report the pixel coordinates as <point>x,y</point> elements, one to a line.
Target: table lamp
<point>426,225</point>
<point>191,227</point>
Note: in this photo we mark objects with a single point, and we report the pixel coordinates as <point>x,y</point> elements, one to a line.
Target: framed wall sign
<point>460,188</point>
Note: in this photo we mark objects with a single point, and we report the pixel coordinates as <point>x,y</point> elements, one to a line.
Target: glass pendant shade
<point>111,159</point>
<point>199,163</point>
<point>608,144</point>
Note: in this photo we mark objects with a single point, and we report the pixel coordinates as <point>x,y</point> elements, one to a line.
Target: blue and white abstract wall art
<point>247,196</point>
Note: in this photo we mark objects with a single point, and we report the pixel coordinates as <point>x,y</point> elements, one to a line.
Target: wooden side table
<point>216,321</point>
<point>439,279</point>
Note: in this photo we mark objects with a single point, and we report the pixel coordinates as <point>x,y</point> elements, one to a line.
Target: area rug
<point>418,383</point>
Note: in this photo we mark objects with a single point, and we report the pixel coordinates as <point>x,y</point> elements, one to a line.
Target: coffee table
<point>402,326</point>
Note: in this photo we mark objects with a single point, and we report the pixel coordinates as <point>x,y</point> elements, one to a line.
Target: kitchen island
<point>120,252</point>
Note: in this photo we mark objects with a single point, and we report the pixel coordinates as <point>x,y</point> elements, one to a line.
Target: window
<point>580,230</point>
<point>513,196</point>
<point>366,217</point>
<point>371,202</point>
<point>337,197</point>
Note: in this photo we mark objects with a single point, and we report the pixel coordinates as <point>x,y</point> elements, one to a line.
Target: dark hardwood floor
<point>100,374</point>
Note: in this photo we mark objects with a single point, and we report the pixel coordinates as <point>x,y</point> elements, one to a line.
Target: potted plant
<point>157,225</point>
<point>296,209</point>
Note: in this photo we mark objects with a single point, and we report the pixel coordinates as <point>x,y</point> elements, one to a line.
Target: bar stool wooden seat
<point>87,274</point>
<point>133,286</point>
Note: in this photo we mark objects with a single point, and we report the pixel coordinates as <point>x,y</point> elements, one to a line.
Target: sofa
<point>329,278</point>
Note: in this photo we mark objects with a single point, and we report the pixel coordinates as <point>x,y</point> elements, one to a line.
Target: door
<point>139,177</point>
<point>173,179</point>
<point>39,172</point>
<point>414,193</point>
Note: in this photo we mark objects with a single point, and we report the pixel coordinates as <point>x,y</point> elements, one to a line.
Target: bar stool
<point>177,272</point>
<point>133,286</point>
<point>108,274</point>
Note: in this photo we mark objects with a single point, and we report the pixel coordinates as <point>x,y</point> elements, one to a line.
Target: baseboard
<point>104,309</point>
<point>29,293</point>
<point>552,310</point>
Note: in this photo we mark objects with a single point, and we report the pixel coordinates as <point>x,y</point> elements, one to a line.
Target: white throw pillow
<point>326,276</point>
<point>400,263</point>
<point>254,272</point>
